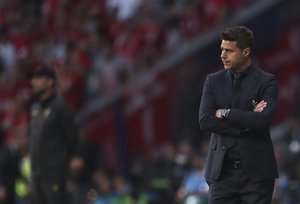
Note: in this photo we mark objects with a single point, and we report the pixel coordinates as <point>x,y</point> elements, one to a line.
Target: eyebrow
<point>226,49</point>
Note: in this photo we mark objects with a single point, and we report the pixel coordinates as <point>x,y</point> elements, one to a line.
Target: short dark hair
<point>44,71</point>
<point>241,34</point>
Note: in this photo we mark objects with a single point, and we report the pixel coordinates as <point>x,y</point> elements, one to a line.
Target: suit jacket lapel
<point>248,86</point>
<point>227,88</point>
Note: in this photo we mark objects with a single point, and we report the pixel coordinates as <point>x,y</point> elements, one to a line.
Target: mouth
<point>226,63</point>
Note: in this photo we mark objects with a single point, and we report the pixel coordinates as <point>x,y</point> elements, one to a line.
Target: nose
<point>223,55</point>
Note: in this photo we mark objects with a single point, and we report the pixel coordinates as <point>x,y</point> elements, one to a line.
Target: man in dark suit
<point>53,137</point>
<point>237,107</point>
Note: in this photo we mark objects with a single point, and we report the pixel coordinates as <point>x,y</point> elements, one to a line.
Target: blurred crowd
<point>167,174</point>
<point>96,47</point>
<point>286,138</point>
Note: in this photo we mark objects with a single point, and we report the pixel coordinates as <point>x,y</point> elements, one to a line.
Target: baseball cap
<point>44,71</point>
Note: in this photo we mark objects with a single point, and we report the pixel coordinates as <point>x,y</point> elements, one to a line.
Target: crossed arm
<point>237,120</point>
<point>258,108</point>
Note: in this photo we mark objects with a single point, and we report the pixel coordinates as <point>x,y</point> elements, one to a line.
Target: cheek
<point>37,84</point>
<point>236,57</point>
<point>33,83</point>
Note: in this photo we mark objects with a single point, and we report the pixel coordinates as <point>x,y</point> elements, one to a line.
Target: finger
<point>261,103</point>
<point>260,106</point>
<point>260,109</point>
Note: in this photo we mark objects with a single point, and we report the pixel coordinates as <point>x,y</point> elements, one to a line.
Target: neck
<point>244,66</point>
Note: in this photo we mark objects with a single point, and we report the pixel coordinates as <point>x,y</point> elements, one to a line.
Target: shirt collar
<point>244,73</point>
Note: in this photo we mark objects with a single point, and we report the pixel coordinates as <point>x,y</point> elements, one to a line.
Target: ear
<point>246,52</point>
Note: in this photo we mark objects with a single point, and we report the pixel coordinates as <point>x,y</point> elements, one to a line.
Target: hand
<point>218,113</point>
<point>3,193</point>
<point>77,163</point>
<point>222,113</point>
<point>260,106</point>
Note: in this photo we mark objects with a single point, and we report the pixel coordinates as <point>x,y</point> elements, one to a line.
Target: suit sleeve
<point>207,119</point>
<point>258,120</point>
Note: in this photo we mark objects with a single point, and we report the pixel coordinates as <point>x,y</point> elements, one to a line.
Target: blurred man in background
<point>53,137</point>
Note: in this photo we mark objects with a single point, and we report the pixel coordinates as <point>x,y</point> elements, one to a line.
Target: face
<point>40,85</point>
<point>233,57</point>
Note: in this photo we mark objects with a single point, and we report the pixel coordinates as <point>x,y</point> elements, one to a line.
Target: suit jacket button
<point>223,147</point>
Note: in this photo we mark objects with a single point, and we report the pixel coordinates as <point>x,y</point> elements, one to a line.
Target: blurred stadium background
<point>133,71</point>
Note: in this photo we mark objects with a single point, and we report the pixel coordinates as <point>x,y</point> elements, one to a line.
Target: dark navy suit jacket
<point>251,129</point>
